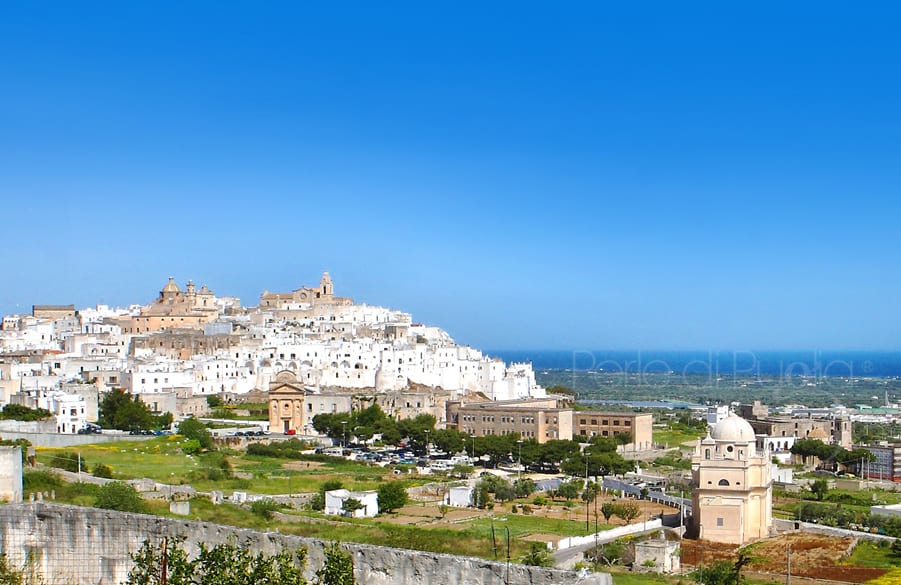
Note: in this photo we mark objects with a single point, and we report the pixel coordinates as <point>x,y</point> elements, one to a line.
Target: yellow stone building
<point>286,404</point>
<point>174,309</point>
<point>305,297</point>
<point>733,485</point>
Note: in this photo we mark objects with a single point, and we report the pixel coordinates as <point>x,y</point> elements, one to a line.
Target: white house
<point>70,409</point>
<point>334,503</point>
<point>459,496</point>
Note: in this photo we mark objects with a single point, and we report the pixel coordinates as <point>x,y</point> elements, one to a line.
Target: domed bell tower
<point>733,486</point>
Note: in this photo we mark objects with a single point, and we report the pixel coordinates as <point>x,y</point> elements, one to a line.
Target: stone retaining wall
<point>70,544</point>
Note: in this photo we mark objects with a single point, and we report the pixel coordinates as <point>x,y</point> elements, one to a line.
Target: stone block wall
<point>86,546</point>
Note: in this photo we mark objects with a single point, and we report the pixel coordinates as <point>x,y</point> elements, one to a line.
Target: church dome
<point>171,286</point>
<point>733,428</point>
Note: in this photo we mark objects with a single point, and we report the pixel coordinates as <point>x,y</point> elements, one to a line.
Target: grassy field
<point>161,459</point>
<point>675,437</point>
<point>868,554</point>
<point>524,525</point>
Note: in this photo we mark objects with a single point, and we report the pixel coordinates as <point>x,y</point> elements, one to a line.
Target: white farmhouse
<point>459,496</point>
<point>334,503</point>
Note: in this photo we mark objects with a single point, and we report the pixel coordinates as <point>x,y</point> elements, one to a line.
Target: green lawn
<point>623,578</point>
<point>161,459</point>
<point>675,437</point>
<point>868,554</point>
<point>526,524</point>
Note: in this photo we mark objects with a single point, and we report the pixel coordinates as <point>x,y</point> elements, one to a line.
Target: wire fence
<point>58,545</point>
<point>53,544</point>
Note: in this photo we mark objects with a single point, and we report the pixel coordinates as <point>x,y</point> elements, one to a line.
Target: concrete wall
<point>86,545</point>
<point>59,440</point>
<point>608,535</point>
<point>780,525</point>
<point>10,474</point>
<point>28,426</point>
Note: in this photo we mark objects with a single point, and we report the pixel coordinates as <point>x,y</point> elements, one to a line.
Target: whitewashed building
<point>334,503</point>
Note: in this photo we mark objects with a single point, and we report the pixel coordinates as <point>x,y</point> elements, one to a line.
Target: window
<point>616,423</point>
<point>719,522</point>
<point>628,423</point>
<point>594,421</point>
<point>723,482</point>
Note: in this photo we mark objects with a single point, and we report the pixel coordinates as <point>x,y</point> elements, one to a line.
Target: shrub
<point>101,470</point>
<point>338,568</point>
<point>67,461</point>
<point>392,495</point>
<point>37,481</point>
<point>191,428</point>
<point>19,412</point>
<point>9,575</point>
<point>190,446</point>
<point>265,507</point>
<point>331,484</point>
<point>118,495</point>
<point>317,502</point>
<point>524,487</point>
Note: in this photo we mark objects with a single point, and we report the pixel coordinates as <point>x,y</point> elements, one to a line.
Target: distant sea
<point>861,364</point>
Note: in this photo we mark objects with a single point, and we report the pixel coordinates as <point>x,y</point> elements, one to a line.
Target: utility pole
<point>586,491</point>
<point>788,565</point>
<point>507,579</point>
<point>519,442</point>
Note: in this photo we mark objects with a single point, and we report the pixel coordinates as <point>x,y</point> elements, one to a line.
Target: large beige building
<point>733,486</point>
<point>830,428</point>
<point>174,308</point>
<point>538,419</point>
<point>304,297</point>
<point>53,312</point>
<point>639,426</point>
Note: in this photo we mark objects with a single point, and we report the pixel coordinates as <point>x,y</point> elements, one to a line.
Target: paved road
<point>568,557</point>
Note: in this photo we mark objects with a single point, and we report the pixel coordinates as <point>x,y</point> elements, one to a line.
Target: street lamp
<point>344,433</point>
<point>427,442</point>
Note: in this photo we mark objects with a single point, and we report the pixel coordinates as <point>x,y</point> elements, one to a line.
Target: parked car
<point>291,432</point>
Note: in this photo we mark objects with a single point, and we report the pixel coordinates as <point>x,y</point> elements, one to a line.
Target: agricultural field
<point>422,524</point>
<point>162,459</point>
<point>814,556</point>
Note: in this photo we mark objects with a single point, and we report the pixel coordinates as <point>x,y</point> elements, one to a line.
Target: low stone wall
<point>781,525</point>
<point>606,536</point>
<point>58,440</point>
<point>69,544</point>
<point>46,426</point>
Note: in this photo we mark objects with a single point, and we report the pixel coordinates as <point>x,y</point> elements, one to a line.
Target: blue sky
<point>713,175</point>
